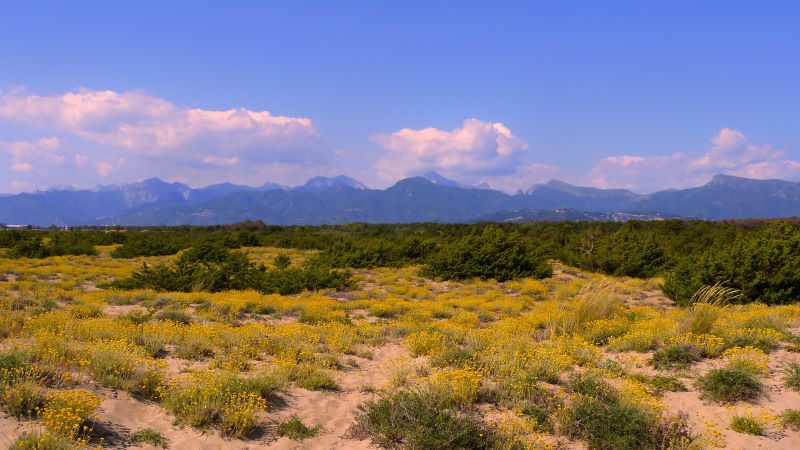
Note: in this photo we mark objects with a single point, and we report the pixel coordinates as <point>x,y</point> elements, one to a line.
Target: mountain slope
<point>342,200</point>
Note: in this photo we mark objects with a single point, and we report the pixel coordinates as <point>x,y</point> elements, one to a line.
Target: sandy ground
<point>334,412</point>
<point>776,399</point>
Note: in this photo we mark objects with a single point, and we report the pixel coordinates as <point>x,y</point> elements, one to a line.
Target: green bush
<point>212,267</point>
<point>152,244</point>
<point>418,420</point>
<point>676,356</point>
<point>58,245</point>
<point>791,419</point>
<point>490,254</point>
<point>600,417</point>
<point>730,384</point>
<point>296,430</point>
<point>149,436</point>
<point>747,425</point>
<point>764,266</point>
<point>791,376</point>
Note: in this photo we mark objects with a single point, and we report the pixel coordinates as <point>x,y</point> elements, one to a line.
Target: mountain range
<point>430,198</point>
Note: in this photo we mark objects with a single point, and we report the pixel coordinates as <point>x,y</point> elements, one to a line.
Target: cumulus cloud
<point>23,154</point>
<point>477,148</point>
<point>144,124</point>
<point>731,152</point>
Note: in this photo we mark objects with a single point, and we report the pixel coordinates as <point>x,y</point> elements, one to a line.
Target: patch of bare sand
<point>334,412</point>
<point>654,298</point>
<point>129,415</point>
<point>121,310</point>
<point>776,400</point>
<point>10,428</point>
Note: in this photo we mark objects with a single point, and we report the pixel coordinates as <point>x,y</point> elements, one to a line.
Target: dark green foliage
<point>600,417</point>
<point>630,251</point>
<point>295,429</point>
<point>151,437</point>
<point>490,254</point>
<point>791,419</point>
<point>174,315</point>
<point>747,425</point>
<point>57,245</point>
<point>377,252</point>
<point>212,267</point>
<point>417,420</point>
<point>730,384</point>
<point>149,244</point>
<point>764,266</point>
<point>760,258</point>
<point>608,424</point>
<point>661,383</point>
<point>791,376</point>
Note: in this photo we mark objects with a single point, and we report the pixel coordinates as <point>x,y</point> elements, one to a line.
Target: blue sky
<point>641,95</point>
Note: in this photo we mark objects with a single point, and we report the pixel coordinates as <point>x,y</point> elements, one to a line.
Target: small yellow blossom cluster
<point>67,413</point>
<point>459,385</point>
<point>710,345</point>
<point>750,359</point>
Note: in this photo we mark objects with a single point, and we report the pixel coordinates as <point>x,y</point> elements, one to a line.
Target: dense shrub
<point>368,253</point>
<point>490,254</point>
<point>730,384</point>
<point>57,245</point>
<point>599,415</point>
<point>153,244</point>
<point>764,266</point>
<point>417,420</point>
<point>212,267</point>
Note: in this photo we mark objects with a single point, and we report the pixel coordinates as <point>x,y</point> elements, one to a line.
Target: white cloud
<point>731,152</point>
<point>24,154</point>
<point>104,168</point>
<point>144,124</point>
<point>477,148</point>
<point>217,161</point>
<point>21,167</point>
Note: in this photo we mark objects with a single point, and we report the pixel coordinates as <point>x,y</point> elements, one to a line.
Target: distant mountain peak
<point>342,200</point>
<point>436,178</point>
<point>439,179</point>
<point>318,184</point>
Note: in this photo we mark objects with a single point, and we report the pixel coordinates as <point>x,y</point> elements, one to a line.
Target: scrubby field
<point>577,360</point>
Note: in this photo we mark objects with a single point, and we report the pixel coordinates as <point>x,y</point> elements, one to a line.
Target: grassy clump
<point>676,356</point>
<point>149,436</point>
<point>607,424</point>
<point>37,440</point>
<point>219,398</point>
<point>605,419</point>
<point>25,399</point>
<point>791,419</point>
<point>310,377</point>
<point>661,383</point>
<point>417,419</point>
<point>730,384</point>
<point>791,376</point>
<point>747,425</point>
<point>175,315</point>
<point>295,429</point>
<point>739,379</point>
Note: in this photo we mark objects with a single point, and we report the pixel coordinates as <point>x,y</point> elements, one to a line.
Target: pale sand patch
<point>10,428</point>
<point>121,310</point>
<point>334,412</point>
<point>777,399</point>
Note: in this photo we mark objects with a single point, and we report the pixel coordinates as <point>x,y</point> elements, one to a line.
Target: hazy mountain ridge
<point>342,199</point>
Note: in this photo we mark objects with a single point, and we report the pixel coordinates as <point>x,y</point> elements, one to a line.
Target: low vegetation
<point>431,336</point>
